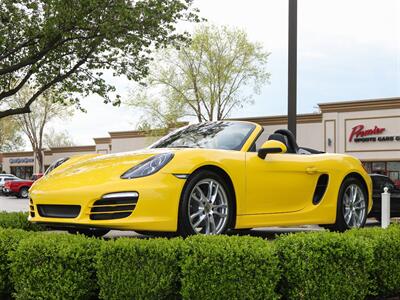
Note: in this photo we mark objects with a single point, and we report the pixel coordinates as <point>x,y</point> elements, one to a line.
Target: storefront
<point>367,129</point>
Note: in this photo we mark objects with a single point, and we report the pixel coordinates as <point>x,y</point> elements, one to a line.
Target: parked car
<point>20,187</point>
<point>205,179</point>
<point>6,177</point>
<point>379,182</point>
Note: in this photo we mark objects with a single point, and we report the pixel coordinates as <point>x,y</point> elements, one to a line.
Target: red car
<point>21,187</point>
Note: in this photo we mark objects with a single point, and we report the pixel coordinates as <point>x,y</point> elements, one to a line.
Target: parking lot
<point>14,204</point>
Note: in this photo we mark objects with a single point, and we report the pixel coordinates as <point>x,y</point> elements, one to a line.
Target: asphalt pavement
<point>14,204</point>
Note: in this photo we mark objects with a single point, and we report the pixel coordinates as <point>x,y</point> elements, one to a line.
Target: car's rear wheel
<point>89,232</point>
<point>352,205</point>
<point>206,205</point>
<point>23,192</point>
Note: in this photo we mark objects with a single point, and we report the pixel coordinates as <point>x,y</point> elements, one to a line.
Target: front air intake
<point>114,206</point>
<point>59,211</point>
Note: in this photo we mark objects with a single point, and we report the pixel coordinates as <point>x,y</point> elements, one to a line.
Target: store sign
<point>360,134</point>
<point>373,134</point>
<point>25,160</point>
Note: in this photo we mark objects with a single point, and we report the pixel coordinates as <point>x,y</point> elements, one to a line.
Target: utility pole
<point>292,67</point>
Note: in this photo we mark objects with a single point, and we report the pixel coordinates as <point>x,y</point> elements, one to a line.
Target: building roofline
<point>282,119</point>
<point>127,134</point>
<point>87,148</point>
<point>102,140</point>
<point>360,105</point>
<point>17,154</point>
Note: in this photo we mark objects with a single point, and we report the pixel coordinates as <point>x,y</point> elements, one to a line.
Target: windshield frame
<point>245,144</point>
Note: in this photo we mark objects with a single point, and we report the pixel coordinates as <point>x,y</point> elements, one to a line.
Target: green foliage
<point>324,265</point>
<point>10,135</point>
<point>385,272</point>
<point>205,78</point>
<point>69,45</point>
<point>222,267</point>
<point>55,266</point>
<point>18,220</point>
<point>320,265</point>
<point>139,269</point>
<point>9,240</point>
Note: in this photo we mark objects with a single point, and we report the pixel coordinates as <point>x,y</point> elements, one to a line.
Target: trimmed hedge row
<point>18,220</point>
<point>222,267</point>
<point>54,266</point>
<point>319,265</point>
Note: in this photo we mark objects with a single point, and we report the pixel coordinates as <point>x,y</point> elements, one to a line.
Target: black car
<point>378,183</point>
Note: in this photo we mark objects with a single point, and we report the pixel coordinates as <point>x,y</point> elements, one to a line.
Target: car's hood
<point>99,168</point>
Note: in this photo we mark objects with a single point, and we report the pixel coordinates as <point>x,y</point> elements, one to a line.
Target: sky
<point>347,50</point>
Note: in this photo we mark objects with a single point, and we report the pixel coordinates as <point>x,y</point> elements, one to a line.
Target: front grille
<point>59,211</point>
<point>114,206</point>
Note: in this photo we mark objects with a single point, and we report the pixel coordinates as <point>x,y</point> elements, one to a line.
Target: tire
<point>90,232</point>
<point>351,210</point>
<point>206,206</point>
<point>23,193</point>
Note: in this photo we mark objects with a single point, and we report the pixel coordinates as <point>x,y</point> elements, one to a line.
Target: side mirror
<point>270,147</point>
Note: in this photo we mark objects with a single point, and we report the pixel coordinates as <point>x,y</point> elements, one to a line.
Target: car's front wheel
<point>206,205</point>
<point>352,205</point>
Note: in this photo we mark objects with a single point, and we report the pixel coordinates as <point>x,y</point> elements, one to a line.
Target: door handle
<point>311,170</point>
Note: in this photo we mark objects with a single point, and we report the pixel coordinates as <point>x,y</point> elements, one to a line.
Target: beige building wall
<point>327,131</point>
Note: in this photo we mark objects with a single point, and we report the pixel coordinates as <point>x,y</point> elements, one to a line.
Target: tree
<point>206,78</point>
<point>53,138</point>
<point>66,45</point>
<point>10,135</point>
<point>46,108</point>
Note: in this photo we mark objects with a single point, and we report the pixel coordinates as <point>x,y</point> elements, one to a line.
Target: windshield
<point>212,135</point>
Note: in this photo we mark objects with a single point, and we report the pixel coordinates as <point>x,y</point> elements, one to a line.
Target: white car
<point>6,177</point>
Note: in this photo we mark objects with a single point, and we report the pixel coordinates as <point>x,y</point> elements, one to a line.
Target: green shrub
<point>9,239</point>
<point>139,269</point>
<point>222,267</point>
<point>18,220</point>
<point>324,265</point>
<point>54,266</point>
<point>385,272</point>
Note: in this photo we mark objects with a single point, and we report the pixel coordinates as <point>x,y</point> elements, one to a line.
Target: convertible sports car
<point>204,178</point>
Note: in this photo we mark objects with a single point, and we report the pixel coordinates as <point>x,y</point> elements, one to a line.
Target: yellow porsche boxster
<point>205,178</point>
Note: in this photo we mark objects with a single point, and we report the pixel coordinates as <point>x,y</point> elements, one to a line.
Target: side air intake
<point>320,189</point>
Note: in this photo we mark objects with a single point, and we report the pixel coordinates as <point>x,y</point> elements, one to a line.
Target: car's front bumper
<point>156,208</point>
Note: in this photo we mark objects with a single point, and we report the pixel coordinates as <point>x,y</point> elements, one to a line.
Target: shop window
<point>379,167</point>
<point>368,167</point>
<point>23,172</point>
<point>393,166</point>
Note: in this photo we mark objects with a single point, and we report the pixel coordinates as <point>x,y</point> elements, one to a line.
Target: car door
<point>280,183</point>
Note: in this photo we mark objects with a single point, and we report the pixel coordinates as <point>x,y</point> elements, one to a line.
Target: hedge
<point>320,265</point>
<point>139,269</point>
<point>324,265</point>
<point>9,240</point>
<point>385,272</point>
<point>55,266</point>
<point>222,267</point>
<point>18,220</point>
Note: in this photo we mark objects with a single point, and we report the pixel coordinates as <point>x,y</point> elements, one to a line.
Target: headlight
<point>56,164</point>
<point>149,166</point>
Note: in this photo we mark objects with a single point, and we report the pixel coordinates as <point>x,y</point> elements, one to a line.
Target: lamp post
<point>292,67</point>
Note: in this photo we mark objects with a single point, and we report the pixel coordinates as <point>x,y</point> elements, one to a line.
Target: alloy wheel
<point>24,193</point>
<point>208,207</point>
<point>354,206</point>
